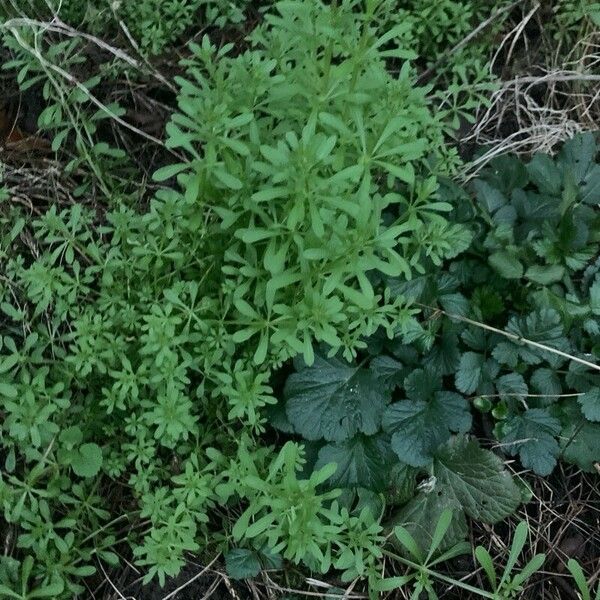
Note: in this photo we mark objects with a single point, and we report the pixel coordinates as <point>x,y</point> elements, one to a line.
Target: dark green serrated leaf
<point>241,563</point>
<point>507,265</point>
<point>363,461</point>
<point>543,326</point>
<point>421,515</point>
<point>595,296</point>
<point>544,174</point>
<point>507,353</point>
<point>590,404</point>
<point>532,436</point>
<point>444,357</point>
<point>278,418</point>
<point>402,483</point>
<point>507,172</point>
<point>545,274</point>
<point>454,304</point>
<point>577,155</point>
<point>422,384</point>
<point>478,480</point>
<point>334,400</point>
<point>468,376</point>
<point>547,382</point>
<point>490,198</point>
<point>580,439</point>
<point>418,428</point>
<point>590,190</point>
<point>390,372</point>
<point>511,385</point>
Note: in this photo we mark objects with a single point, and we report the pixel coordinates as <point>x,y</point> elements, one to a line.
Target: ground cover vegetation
<point>262,307</point>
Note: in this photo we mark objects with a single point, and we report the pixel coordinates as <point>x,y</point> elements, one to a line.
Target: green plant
<point>517,340</point>
<point>72,114</point>
<point>424,565</point>
<point>573,17</point>
<point>582,584</point>
<point>308,219</point>
<point>509,585</point>
<point>154,25</point>
<point>345,411</point>
<point>138,347</point>
<point>157,24</point>
<point>301,192</point>
<point>522,327</point>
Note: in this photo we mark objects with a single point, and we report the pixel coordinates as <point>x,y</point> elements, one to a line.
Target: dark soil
<point>211,585</point>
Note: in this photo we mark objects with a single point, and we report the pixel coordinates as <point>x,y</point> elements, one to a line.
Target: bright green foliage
<point>137,347</point>
<point>433,30</point>
<point>298,165</point>
<point>158,24</point>
<point>154,25</point>
<point>141,342</point>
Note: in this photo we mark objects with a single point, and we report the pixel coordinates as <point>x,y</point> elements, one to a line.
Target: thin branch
<point>197,576</point>
<point>517,338</point>
<point>58,26</point>
<point>483,25</point>
<point>67,76</point>
<point>552,78</point>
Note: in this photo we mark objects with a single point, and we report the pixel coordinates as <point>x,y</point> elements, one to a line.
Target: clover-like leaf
<point>87,460</point>
<point>334,400</point>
